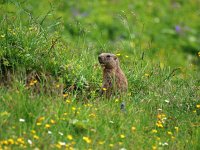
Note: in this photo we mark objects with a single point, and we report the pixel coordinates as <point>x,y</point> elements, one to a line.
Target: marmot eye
<point>108,56</point>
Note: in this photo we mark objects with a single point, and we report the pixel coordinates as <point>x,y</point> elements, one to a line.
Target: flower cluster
<point>160,125</point>
<point>87,139</point>
<point>33,82</point>
<point>161,120</point>
<point>13,142</point>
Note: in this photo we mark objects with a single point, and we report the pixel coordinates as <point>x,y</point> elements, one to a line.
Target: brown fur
<point>114,80</point>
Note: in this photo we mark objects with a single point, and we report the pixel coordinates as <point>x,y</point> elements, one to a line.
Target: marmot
<point>114,80</point>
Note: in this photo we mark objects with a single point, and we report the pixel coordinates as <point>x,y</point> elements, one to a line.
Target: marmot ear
<point>115,57</point>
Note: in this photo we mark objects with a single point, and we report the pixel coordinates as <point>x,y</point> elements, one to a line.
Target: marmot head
<point>108,60</point>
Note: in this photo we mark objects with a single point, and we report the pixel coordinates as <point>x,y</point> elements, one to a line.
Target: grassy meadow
<point>50,78</point>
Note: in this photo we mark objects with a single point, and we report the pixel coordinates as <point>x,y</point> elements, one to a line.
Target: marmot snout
<point>114,79</point>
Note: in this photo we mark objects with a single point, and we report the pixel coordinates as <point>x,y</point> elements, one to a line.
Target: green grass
<point>47,47</point>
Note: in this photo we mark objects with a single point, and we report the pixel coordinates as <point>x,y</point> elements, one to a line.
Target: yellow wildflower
<point>104,89</point>
<point>33,82</point>
<point>5,142</point>
<point>87,139</point>
<point>69,137</point>
<point>169,133</point>
<point>146,75</point>
<point>33,131</point>
<point>199,54</point>
<point>118,54</point>
<point>67,145</point>
<point>101,142</point>
<point>5,113</point>
<point>172,137</point>
<point>36,137</point>
<point>20,140</point>
<point>68,101</point>
<point>159,124</point>
<point>154,131</point>
<point>52,121</point>
<point>65,95</point>
<point>122,136</point>
<point>176,128</point>
<point>65,114</point>
<point>92,115</point>
<point>126,56</point>
<point>111,145</point>
<point>38,124</point>
<point>11,141</point>
<point>73,143</point>
<point>71,148</point>
<point>40,119</point>
<point>117,100</point>
<point>73,108</point>
<point>198,106</point>
<point>133,128</point>
<point>154,147</point>
<point>88,105</point>
<point>58,146</point>
<point>161,116</point>
<point>47,126</point>
<point>157,138</point>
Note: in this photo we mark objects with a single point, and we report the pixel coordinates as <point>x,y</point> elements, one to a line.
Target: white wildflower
<point>30,142</point>
<point>111,121</point>
<point>21,120</point>
<point>61,133</point>
<point>62,143</point>
<point>167,101</point>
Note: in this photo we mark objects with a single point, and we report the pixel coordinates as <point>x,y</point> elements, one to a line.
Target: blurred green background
<point>166,31</point>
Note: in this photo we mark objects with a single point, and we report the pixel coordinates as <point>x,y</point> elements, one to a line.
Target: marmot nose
<point>99,57</point>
